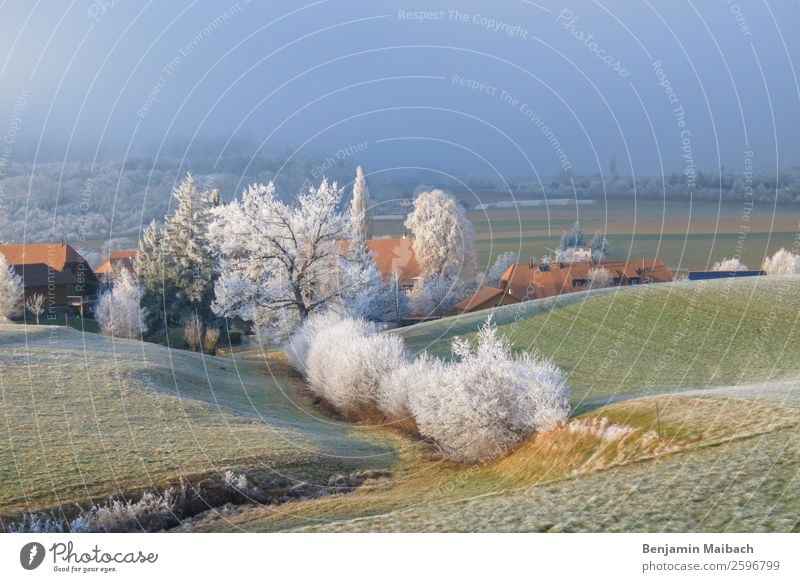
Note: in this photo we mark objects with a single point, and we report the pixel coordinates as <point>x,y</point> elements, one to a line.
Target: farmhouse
<point>116,261</point>
<point>485,298</point>
<point>62,266</point>
<point>526,281</point>
<point>41,279</point>
<point>393,257</point>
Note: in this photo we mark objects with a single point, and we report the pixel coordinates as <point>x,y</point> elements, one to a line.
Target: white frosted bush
<point>733,264</point>
<point>118,311</point>
<point>346,362</point>
<point>488,399</point>
<point>296,347</point>
<point>393,394</point>
<point>782,262</point>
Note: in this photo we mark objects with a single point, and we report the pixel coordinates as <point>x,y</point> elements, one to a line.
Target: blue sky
<point>472,87</point>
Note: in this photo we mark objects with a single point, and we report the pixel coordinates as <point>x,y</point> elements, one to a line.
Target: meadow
<point>706,440</point>
<point>685,236</point>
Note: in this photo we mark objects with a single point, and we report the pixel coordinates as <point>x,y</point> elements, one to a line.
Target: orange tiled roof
<point>54,255</point>
<point>393,254</point>
<point>116,260</point>
<point>524,281</point>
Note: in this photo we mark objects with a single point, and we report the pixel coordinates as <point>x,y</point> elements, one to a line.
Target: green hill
<point>85,417</point>
<point>651,338</point>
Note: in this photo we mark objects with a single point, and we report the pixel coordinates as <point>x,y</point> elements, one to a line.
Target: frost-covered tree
<point>277,257</point>
<point>444,246</point>
<point>599,246</point>
<point>11,291</point>
<point>35,305</point>
<point>572,238</point>
<point>437,295</point>
<point>175,265</point>
<point>501,265</point>
<point>368,295</point>
<point>189,261</point>
<point>783,262</point>
<point>360,212</point>
<point>119,311</point>
<point>600,277</point>
<point>734,264</point>
<point>444,239</point>
<point>487,399</point>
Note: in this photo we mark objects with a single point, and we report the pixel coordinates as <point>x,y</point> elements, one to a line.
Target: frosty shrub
<point>734,264</point>
<point>193,332</point>
<point>487,399</point>
<point>210,341</point>
<point>119,311</point>
<point>37,523</point>
<point>393,395</point>
<point>782,262</point>
<point>600,277</point>
<point>153,512</point>
<point>11,291</point>
<point>296,348</point>
<point>346,362</point>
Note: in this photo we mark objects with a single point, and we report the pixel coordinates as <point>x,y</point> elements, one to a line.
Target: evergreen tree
<point>359,210</point>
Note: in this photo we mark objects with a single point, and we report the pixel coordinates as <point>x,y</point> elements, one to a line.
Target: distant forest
<point>77,202</point>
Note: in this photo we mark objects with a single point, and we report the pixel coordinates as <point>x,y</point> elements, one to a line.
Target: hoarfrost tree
<point>190,262</point>
<point>599,246</point>
<point>11,291</point>
<point>734,264</point>
<point>501,265</point>
<point>360,213</point>
<point>600,277</point>
<point>175,264</point>
<point>572,238</point>
<point>119,311</point>
<point>444,245</point>
<point>783,262</point>
<point>368,295</point>
<point>280,260</point>
<point>35,305</point>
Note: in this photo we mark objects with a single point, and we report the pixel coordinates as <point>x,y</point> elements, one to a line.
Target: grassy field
<point>651,338</point>
<point>721,459</point>
<point>685,237</point>
<point>84,418</point>
<point>678,449</point>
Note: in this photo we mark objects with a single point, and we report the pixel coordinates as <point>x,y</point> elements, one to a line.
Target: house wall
<point>56,296</point>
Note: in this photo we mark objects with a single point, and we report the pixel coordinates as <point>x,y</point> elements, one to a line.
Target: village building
<point>116,261</point>
<point>68,279</point>
<point>527,281</point>
<point>485,298</point>
<point>394,257</point>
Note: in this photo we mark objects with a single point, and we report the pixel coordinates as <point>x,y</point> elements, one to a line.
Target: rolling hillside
<point>717,449</point>
<point>649,339</point>
<point>85,418</point>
